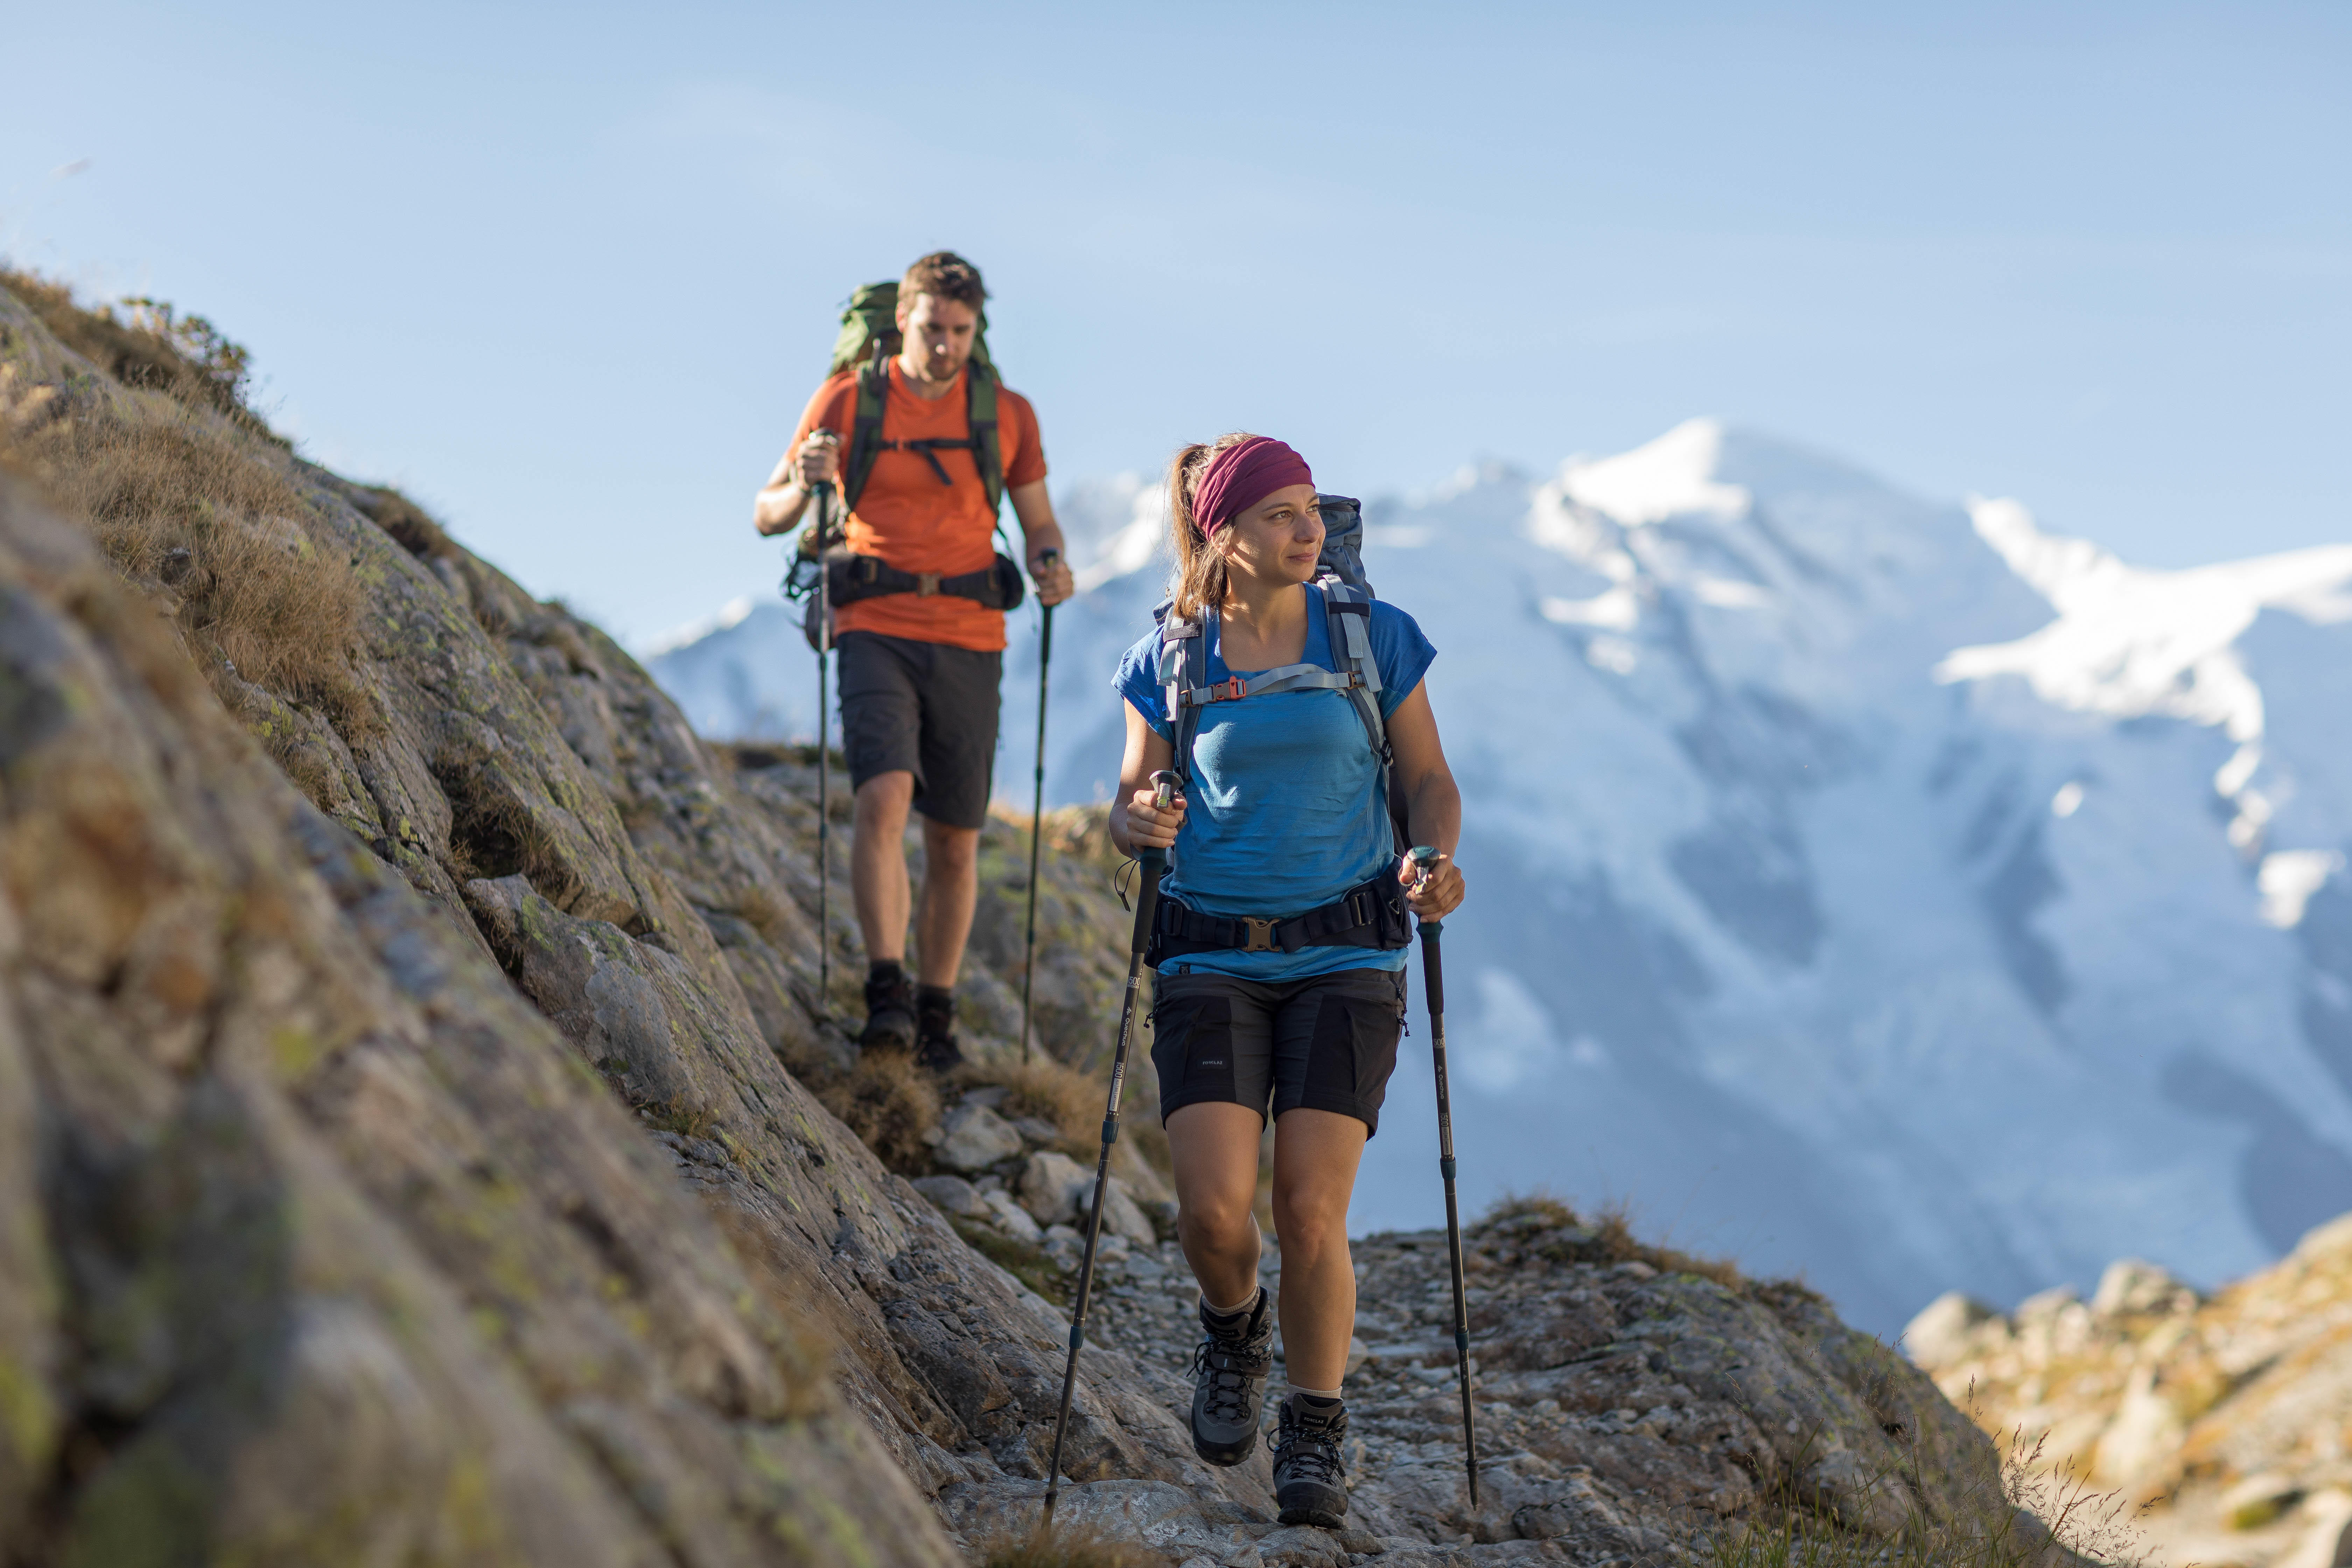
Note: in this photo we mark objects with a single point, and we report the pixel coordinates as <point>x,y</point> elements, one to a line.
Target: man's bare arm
<point>777,508</point>
<point>1040,533</point>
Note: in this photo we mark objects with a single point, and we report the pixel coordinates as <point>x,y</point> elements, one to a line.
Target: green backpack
<point>869,338</point>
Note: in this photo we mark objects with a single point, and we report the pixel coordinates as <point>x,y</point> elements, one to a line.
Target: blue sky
<point>568,274</point>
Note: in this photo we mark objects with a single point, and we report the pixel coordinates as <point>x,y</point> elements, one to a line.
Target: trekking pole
<point>1146,906</point>
<point>1424,859</point>
<point>1037,808</point>
<point>824,613</point>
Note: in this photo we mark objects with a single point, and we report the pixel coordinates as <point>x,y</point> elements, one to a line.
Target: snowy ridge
<point>1881,889</point>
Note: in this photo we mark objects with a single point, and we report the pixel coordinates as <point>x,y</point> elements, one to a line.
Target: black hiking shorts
<point>1328,1043</point>
<point>922,708</point>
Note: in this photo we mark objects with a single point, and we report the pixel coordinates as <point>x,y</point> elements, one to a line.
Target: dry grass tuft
<point>1546,1225</point>
<point>407,522</point>
<point>678,1117</point>
<point>890,1103</point>
<point>1047,1089</point>
<point>194,509</point>
<point>154,348</point>
<point>1072,1546</point>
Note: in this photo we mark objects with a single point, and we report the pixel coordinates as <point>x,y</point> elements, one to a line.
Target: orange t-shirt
<point>913,521</point>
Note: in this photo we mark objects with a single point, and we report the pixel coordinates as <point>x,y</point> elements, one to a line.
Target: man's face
<point>939,333</point>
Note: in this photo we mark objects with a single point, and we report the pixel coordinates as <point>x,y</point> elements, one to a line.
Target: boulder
<point>1122,1214</point>
<point>1939,1335</point>
<point>1051,1185</point>
<point>2132,1285</point>
<point>976,1138</point>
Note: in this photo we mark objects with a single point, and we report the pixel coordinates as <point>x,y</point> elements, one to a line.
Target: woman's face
<point>1276,541</point>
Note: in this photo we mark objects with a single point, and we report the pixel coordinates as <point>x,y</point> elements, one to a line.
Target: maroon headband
<point>1240,477</point>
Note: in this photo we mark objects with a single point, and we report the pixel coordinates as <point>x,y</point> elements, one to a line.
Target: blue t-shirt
<point>1286,811</point>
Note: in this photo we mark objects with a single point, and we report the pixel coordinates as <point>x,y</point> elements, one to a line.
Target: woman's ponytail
<point>1200,582</point>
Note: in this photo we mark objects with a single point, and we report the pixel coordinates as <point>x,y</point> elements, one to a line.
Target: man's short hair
<point>944,275</point>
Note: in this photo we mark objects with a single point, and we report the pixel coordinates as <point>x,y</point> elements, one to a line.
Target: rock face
<point>2230,1413</point>
<point>1625,1411</point>
<point>408,1151</point>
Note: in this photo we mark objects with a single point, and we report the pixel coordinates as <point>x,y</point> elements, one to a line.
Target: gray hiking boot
<point>889,1013</point>
<point>1311,1479</point>
<point>1229,1383</point>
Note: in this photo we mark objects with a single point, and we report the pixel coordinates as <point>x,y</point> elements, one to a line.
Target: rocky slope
<point>416,1140</point>
<point>2232,1414</point>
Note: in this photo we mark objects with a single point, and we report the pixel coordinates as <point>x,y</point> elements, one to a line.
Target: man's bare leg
<point>878,866</point>
<point>951,893</point>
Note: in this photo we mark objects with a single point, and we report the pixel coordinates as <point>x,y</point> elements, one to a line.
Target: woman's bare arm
<point>1433,803</point>
<point>1134,822</point>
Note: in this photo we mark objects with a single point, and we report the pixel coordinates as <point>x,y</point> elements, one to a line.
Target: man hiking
<point>1278,946</point>
<point>922,655</point>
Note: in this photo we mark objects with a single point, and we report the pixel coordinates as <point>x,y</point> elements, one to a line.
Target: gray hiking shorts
<point>922,708</point>
<point>1327,1043</point>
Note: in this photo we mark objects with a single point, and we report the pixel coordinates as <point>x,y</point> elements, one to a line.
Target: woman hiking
<point>1279,949</point>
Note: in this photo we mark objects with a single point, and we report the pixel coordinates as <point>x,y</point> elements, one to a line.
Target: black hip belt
<point>1370,915</point>
<point>851,578</point>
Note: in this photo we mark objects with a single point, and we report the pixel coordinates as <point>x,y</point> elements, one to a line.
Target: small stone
<point>1009,1217</point>
<point>2257,1501</point>
<point>988,1095</point>
<point>1037,1129</point>
<point>952,1194</point>
<point>976,1138</point>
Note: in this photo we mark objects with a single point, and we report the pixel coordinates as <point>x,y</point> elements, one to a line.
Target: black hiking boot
<point>935,1043</point>
<point>1229,1381</point>
<point>889,1009</point>
<point>1311,1479</point>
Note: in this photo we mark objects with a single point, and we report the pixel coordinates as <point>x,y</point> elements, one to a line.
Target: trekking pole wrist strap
<point>1371,914</point>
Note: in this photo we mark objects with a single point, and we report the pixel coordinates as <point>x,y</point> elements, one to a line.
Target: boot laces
<point>1310,1451</point>
<point>1215,1363</point>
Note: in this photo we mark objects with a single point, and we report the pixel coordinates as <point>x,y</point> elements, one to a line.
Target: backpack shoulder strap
<point>1348,617</point>
<point>980,421</point>
<point>866,429</point>
<point>1184,668</point>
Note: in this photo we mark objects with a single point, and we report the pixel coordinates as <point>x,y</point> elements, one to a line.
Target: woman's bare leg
<point>1215,1147</point>
<point>1315,1157</point>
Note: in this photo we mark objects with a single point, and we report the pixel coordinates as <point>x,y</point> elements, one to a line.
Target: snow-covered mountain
<point>1890,891</point>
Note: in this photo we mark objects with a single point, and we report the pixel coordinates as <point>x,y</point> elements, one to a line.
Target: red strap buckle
<point>1230,690</point>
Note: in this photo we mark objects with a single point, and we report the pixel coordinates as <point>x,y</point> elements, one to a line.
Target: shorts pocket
<point>1193,1048</point>
<point>1354,1047</point>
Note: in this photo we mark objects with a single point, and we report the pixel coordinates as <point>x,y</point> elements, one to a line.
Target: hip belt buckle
<point>926,584</point>
<point>1261,936</point>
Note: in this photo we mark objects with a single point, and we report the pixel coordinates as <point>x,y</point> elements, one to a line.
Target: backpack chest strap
<point>1288,677</point>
